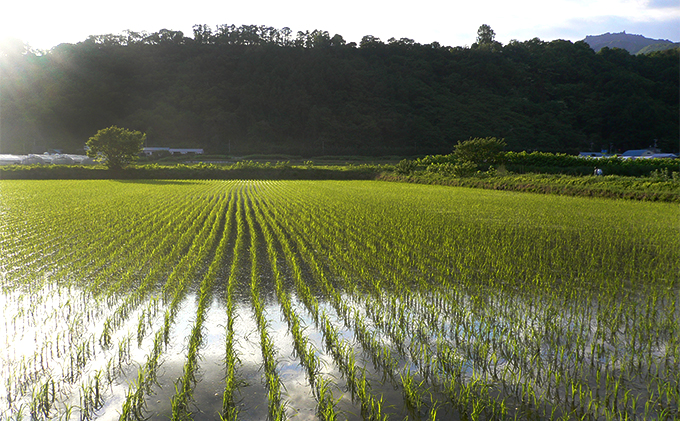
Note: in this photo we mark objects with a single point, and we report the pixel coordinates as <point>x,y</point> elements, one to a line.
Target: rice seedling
<point>276,404</point>
<point>183,386</point>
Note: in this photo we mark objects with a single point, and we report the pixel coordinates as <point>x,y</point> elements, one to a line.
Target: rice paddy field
<point>328,300</point>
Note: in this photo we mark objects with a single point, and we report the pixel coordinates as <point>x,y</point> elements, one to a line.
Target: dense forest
<point>255,89</point>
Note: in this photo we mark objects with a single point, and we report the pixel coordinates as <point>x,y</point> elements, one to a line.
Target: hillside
<point>663,46</point>
<point>632,43</point>
<point>261,90</point>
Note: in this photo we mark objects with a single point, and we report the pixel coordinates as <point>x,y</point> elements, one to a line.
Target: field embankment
<point>238,171</point>
<point>659,186</point>
<point>615,187</point>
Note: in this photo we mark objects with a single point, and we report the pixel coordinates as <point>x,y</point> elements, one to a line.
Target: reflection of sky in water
<point>41,332</point>
<point>251,397</point>
<point>51,321</point>
<point>41,313</point>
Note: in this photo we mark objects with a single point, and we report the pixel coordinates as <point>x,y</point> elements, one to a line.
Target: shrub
<point>480,151</point>
<point>405,167</point>
<point>461,169</point>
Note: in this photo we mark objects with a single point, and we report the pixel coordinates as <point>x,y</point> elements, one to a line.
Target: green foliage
<point>486,39</point>
<point>542,162</point>
<point>664,174</point>
<point>485,35</point>
<point>117,147</point>
<point>657,187</point>
<point>238,170</point>
<point>480,151</point>
<point>272,92</point>
<point>436,159</point>
<point>405,166</point>
<point>459,169</point>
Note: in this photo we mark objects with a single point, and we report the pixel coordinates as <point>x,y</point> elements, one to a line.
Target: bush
<point>461,169</point>
<point>665,175</point>
<point>549,163</point>
<point>405,167</point>
<point>436,159</point>
<point>480,151</point>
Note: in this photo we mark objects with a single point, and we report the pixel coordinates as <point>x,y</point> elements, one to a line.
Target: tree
<point>486,39</point>
<point>485,35</point>
<point>480,151</point>
<point>117,147</point>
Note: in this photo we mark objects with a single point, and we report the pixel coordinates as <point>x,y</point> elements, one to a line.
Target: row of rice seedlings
<point>92,396</point>
<point>277,407</point>
<point>174,291</point>
<point>341,350</point>
<point>229,407</point>
<point>184,386</point>
<point>306,352</point>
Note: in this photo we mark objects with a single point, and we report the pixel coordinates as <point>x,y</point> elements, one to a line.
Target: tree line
<point>256,89</point>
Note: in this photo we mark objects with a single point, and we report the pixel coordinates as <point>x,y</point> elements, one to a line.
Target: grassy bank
<point>240,170</point>
<point>656,187</point>
<point>619,187</point>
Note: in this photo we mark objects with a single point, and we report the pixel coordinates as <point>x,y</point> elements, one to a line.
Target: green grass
<point>658,185</point>
<point>612,186</point>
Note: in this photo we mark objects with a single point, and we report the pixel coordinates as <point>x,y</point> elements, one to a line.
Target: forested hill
<point>633,43</point>
<point>261,90</point>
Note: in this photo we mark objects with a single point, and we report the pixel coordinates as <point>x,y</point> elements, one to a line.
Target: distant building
<point>184,151</point>
<point>10,159</point>
<point>155,151</point>
<point>171,151</point>
<point>663,155</point>
<point>33,159</point>
<point>62,160</point>
<point>46,159</point>
<point>639,153</point>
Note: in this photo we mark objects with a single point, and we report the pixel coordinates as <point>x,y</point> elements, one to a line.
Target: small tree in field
<point>480,151</point>
<point>117,147</point>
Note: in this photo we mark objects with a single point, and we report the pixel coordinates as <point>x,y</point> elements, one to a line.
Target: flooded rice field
<point>304,300</point>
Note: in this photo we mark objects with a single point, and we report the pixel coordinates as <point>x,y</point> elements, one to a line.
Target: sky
<point>43,24</point>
